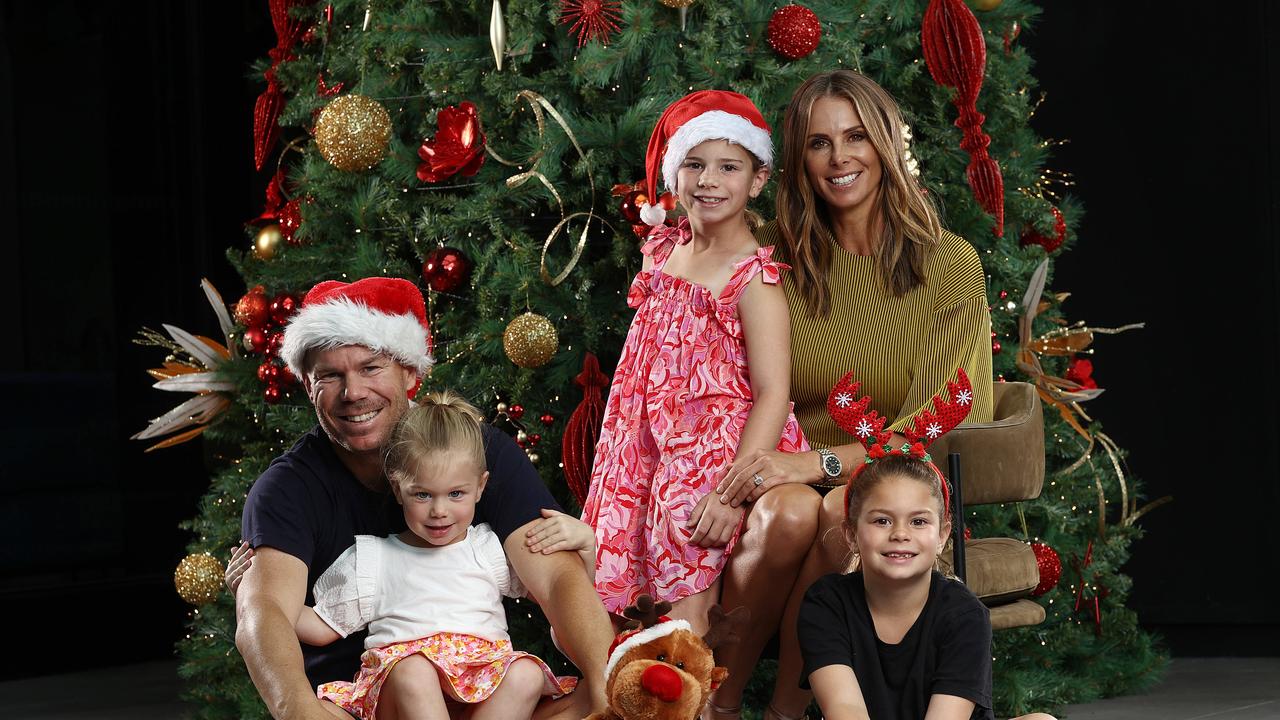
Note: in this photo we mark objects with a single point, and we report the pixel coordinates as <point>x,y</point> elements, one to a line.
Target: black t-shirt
<point>947,651</point>
<point>309,505</point>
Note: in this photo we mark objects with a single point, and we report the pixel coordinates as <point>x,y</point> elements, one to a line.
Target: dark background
<point>126,170</point>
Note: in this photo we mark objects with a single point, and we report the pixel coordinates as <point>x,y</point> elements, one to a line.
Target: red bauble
<point>282,308</point>
<point>446,269</point>
<point>968,533</point>
<point>290,219</point>
<point>274,341</point>
<point>794,31</point>
<point>516,412</point>
<point>1049,243</point>
<point>630,206</point>
<point>547,419</point>
<point>583,429</point>
<point>996,347</point>
<point>272,394</point>
<point>534,438</point>
<point>458,145</point>
<point>255,340</point>
<point>1050,568</point>
<point>251,311</point>
<point>268,372</point>
<point>286,376</point>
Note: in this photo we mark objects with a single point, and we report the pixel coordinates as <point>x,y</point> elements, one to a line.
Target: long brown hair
<point>911,225</point>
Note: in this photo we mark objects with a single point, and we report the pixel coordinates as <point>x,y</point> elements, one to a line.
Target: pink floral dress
<point>677,405</point>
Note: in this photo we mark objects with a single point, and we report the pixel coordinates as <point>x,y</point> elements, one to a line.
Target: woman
<point>878,287</point>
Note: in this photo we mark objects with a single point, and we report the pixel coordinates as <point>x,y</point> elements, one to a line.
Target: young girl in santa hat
<point>685,401</point>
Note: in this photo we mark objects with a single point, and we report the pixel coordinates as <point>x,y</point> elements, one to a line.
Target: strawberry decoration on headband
<point>692,120</point>
<point>854,417</point>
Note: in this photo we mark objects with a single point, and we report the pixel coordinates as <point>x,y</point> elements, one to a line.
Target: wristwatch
<point>831,465</point>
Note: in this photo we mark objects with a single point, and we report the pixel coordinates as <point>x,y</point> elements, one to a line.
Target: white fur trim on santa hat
<point>343,322</point>
<point>714,125</point>
<point>650,633</point>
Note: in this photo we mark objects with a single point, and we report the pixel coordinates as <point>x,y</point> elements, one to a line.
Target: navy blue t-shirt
<point>947,650</point>
<point>309,505</point>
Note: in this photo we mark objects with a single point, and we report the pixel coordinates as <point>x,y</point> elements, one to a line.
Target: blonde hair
<point>911,225</point>
<point>442,427</point>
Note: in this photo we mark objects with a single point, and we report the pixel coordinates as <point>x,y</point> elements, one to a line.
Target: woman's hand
<point>773,468</point>
<point>237,566</point>
<point>713,523</point>
<point>557,531</point>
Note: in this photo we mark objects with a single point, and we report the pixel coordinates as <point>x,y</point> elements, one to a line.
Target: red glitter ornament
<point>956,54</point>
<point>1031,237</point>
<point>794,31</point>
<point>458,145</point>
<point>290,219</point>
<point>578,446</point>
<point>274,341</point>
<point>251,310</point>
<point>268,372</point>
<point>516,412</point>
<point>282,308</point>
<point>590,19</point>
<point>1050,568</point>
<point>446,269</point>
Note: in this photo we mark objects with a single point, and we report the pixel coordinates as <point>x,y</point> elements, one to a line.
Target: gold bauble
<point>267,241</point>
<point>352,132</point>
<point>198,579</point>
<point>986,5</point>
<point>530,340</point>
<point>676,3</point>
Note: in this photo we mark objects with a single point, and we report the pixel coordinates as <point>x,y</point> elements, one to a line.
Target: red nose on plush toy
<point>663,682</point>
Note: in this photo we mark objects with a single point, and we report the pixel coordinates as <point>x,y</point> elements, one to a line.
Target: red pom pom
<point>1050,568</point>
<point>876,452</point>
<point>794,31</point>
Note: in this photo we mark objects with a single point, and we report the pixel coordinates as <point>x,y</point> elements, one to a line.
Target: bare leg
<point>412,691</point>
<point>568,598</point>
<point>829,554</point>
<point>693,608</point>
<point>780,528</point>
<point>516,695</point>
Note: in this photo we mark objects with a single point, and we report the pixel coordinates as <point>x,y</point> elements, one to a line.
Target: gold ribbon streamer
<point>539,104</point>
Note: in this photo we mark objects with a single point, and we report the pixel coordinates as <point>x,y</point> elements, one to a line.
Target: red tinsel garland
<point>266,110</point>
<point>956,55</point>
<point>578,447</point>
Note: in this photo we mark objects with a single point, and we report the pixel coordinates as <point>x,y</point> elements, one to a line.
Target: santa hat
<point>628,641</point>
<point>386,315</point>
<point>694,119</point>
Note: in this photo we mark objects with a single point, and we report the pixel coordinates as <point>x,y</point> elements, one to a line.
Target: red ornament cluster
<point>1049,243</point>
<point>458,145</point>
<point>1050,568</point>
<point>264,320</point>
<point>1080,372</point>
<point>635,195</point>
<point>446,269</point>
<point>793,31</point>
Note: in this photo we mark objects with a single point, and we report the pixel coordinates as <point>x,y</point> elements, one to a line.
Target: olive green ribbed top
<point>903,350</point>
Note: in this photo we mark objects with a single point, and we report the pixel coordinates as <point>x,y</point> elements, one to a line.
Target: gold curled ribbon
<point>539,104</point>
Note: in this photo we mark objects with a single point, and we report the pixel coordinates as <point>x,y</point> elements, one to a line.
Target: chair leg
<point>957,515</point>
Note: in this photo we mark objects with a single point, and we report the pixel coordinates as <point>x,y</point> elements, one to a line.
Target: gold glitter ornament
<point>530,340</point>
<point>267,241</point>
<point>198,579</point>
<point>987,5</point>
<point>352,132</point>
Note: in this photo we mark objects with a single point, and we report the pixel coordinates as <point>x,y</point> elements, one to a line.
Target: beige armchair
<point>996,462</point>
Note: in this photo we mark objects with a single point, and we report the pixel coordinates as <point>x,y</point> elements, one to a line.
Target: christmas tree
<point>489,152</point>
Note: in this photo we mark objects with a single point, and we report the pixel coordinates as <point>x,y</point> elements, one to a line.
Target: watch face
<point>831,465</point>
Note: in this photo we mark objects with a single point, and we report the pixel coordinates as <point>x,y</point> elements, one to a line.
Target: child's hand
<point>714,523</point>
<point>557,531</point>
<point>237,566</point>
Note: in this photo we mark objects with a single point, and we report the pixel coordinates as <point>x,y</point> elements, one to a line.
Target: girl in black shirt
<point>895,639</point>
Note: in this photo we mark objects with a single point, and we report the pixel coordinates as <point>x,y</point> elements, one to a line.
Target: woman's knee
<point>787,516</point>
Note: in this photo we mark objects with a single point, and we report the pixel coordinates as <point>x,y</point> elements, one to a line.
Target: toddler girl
<point>895,639</point>
<point>431,596</point>
<point>685,401</point>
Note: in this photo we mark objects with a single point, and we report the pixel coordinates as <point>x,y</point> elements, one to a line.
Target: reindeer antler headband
<point>854,416</point>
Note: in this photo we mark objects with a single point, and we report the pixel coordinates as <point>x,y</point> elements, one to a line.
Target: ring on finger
<point>757,480</point>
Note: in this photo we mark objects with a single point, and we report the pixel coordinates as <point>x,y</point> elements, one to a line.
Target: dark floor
<point>1194,688</point>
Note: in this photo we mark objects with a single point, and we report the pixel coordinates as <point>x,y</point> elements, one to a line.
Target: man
<point>361,350</point>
